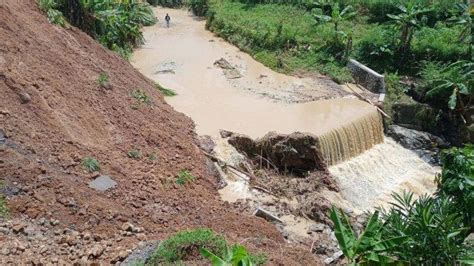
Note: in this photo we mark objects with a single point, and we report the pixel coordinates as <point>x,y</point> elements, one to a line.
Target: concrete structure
<point>367,77</point>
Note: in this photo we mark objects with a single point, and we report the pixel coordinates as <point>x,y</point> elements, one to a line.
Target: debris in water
<point>230,72</point>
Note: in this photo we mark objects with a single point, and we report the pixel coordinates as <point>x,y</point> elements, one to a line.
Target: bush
<point>376,48</point>
<point>184,243</point>
<point>457,180</point>
<point>102,79</point>
<point>3,204</point>
<point>90,164</point>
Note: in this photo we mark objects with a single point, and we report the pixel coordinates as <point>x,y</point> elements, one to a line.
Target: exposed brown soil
<point>53,114</point>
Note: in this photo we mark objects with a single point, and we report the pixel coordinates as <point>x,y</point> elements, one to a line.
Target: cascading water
<point>351,139</point>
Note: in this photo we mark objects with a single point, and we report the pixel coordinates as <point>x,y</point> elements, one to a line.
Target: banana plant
<point>338,14</point>
<point>458,83</point>
<point>407,20</point>
<point>368,247</point>
<point>235,256</point>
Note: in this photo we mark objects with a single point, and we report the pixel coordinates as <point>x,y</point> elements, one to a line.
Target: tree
<point>407,20</point>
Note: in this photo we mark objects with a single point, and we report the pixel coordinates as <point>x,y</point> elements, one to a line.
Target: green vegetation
<point>176,247</point>
<point>49,7</point>
<point>115,24</point>
<point>428,230</point>
<point>134,154</point>
<point>165,91</point>
<point>237,255</point>
<point>185,244</point>
<point>90,164</point>
<point>141,96</point>
<point>152,156</point>
<point>184,177</point>
<point>103,79</point>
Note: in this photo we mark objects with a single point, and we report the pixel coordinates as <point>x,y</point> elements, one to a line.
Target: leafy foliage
<point>433,227</point>
<point>184,177</point>
<point>369,247</point>
<point>455,85</point>
<point>4,212</point>
<point>90,164</point>
<point>235,256</point>
<point>199,7</point>
<point>457,180</point>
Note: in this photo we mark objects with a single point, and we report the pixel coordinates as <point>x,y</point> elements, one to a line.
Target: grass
<point>141,96</point>
<point>103,79</point>
<point>152,156</point>
<point>165,91</point>
<point>184,244</point>
<point>134,154</point>
<point>90,164</point>
<point>184,177</point>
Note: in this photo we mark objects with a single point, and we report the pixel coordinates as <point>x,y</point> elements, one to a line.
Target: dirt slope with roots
<point>53,113</point>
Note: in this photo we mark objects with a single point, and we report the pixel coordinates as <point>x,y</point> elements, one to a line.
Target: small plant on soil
<point>134,154</point>
<point>165,91</point>
<point>152,156</point>
<point>184,177</point>
<point>3,203</point>
<point>140,96</point>
<point>103,79</point>
<point>49,8</point>
<point>90,164</point>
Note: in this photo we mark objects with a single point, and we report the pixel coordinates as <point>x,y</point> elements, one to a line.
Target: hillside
<point>53,114</point>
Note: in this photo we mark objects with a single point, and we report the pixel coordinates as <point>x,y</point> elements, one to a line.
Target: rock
<point>243,144</point>
<point>230,72</point>
<point>206,143</point>
<point>138,255</point>
<point>165,68</point>
<point>267,216</point>
<point>102,183</point>
<point>319,227</point>
<point>121,256</point>
<point>127,227</point>
<point>337,255</point>
<point>24,97</point>
<point>225,134</point>
<point>328,260</point>
<point>96,251</point>
<point>18,228</point>
<point>54,222</point>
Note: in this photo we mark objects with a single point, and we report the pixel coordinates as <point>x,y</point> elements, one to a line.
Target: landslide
<point>53,114</point>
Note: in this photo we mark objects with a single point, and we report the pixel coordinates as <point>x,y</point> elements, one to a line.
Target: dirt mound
<point>53,114</point>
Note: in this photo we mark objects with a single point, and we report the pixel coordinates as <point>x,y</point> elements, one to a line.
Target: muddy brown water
<point>182,58</point>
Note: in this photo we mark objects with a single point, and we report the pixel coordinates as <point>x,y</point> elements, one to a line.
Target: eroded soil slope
<point>53,114</point>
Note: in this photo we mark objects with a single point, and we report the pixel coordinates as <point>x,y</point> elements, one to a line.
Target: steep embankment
<point>53,114</point>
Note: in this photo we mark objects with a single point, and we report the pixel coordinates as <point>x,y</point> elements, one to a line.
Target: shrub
<point>3,203</point>
<point>141,96</point>
<point>165,91</point>
<point>184,177</point>
<point>134,154</point>
<point>439,44</point>
<point>183,243</point>
<point>376,48</point>
<point>90,164</point>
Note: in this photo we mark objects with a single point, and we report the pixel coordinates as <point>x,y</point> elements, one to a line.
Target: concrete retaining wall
<point>366,77</point>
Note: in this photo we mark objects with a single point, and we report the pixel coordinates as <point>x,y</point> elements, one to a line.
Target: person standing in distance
<point>167,19</point>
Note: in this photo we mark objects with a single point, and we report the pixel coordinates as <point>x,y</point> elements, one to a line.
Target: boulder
<point>102,183</point>
<point>414,139</point>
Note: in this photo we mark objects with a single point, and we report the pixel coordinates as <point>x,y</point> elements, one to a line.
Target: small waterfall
<point>351,139</point>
